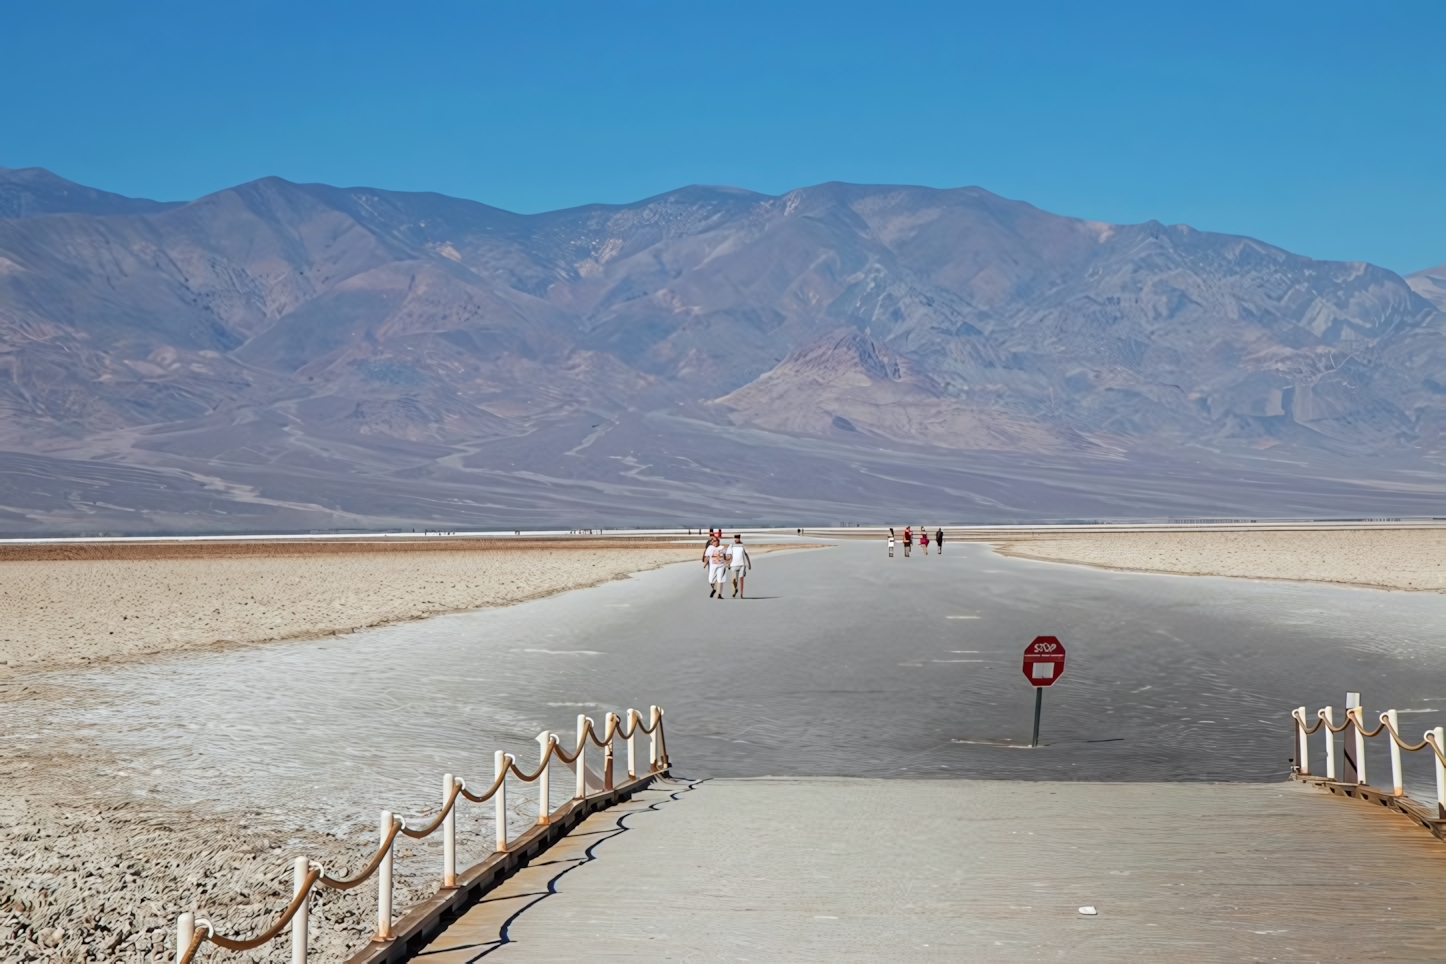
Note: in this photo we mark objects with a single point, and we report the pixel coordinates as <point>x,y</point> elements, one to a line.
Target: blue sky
<point>1315,126</point>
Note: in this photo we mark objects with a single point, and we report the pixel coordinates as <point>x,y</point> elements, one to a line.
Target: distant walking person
<point>924,539</point>
<point>908,540</point>
<point>715,560</point>
<point>891,542</point>
<point>739,562</point>
<point>939,540</point>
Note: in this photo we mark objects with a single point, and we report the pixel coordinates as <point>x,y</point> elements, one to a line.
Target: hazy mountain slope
<point>1169,333</point>
<point>265,340</point>
<point>28,192</point>
<point>1430,284</point>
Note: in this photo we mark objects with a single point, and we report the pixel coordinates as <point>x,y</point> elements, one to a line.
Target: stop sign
<point>1043,661</point>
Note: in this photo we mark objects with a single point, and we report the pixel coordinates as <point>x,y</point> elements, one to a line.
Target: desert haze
<point>287,356</point>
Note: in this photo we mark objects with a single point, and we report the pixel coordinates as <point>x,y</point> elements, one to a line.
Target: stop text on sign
<point>1044,661</point>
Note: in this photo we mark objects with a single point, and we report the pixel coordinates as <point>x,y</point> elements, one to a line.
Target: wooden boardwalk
<point>893,870</point>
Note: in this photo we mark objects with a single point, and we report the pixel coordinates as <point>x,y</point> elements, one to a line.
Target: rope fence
<point>1352,771</point>
<point>193,932</point>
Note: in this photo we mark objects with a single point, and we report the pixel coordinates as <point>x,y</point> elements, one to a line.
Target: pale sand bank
<point>1407,558</point>
<point>126,601</point>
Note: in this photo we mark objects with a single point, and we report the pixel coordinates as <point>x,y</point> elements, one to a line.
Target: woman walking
<point>891,542</point>
<point>924,539</point>
<point>715,560</point>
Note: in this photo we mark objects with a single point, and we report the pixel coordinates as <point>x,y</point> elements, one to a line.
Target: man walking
<point>715,560</point>
<point>908,540</point>
<point>739,562</point>
<point>939,541</point>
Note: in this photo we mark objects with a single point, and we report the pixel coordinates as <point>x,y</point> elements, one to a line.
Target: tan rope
<point>551,748</point>
<point>1430,738</point>
<point>566,757</point>
<point>446,809</point>
<point>1386,722</point>
<point>1310,730</point>
<point>372,865</point>
<point>475,798</point>
<point>1352,719</point>
<point>197,939</point>
<point>609,732</point>
<point>231,944</point>
<point>589,733</point>
<point>1361,723</point>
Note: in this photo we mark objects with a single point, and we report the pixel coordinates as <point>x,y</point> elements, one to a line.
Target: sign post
<point>1043,664</point>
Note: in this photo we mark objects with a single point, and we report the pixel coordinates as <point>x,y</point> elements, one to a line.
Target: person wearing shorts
<point>715,560</point>
<point>739,563</point>
<point>891,542</point>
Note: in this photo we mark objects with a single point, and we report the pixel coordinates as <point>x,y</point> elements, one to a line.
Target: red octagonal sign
<point>1043,661</point>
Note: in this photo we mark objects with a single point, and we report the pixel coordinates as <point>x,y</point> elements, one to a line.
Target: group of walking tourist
<point>725,561</point>
<point>923,540</point>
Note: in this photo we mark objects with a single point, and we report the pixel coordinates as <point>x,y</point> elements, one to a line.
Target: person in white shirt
<point>739,562</point>
<point>715,560</point>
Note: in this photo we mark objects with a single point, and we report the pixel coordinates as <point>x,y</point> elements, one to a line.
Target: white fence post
<point>610,723</point>
<point>582,722</point>
<point>654,714</point>
<point>1358,713</point>
<point>449,834</point>
<point>500,763</point>
<point>544,792</point>
<point>299,921</point>
<point>384,882</point>
<point>1396,789</point>
<point>1440,734</point>
<point>1330,741</point>
<point>185,933</point>
<point>632,732</point>
<point>1302,755</point>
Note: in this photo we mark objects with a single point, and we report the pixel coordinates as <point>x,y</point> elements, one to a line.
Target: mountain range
<point>300,356</point>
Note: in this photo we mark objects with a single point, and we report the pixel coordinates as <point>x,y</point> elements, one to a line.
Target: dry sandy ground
<point>1411,558</point>
<point>67,604</point>
<point>87,875</point>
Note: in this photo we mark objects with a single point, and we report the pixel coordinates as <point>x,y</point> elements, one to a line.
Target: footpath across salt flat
<point>889,870</point>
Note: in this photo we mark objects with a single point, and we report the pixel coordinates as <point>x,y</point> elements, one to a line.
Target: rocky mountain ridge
<point>275,331</point>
